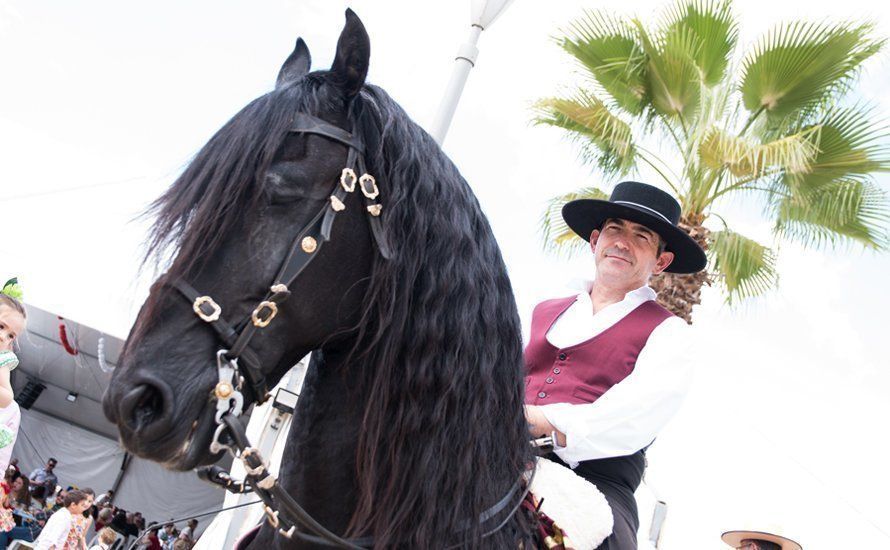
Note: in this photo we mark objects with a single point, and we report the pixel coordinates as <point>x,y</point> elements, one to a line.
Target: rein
<point>237,363</point>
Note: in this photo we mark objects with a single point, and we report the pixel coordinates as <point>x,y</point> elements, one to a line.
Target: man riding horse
<point>607,367</point>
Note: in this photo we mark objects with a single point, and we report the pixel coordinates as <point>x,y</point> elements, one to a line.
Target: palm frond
<point>557,236</point>
<point>745,267</point>
<point>606,140</point>
<point>714,29</point>
<point>842,211</point>
<point>745,158</point>
<point>673,80</point>
<point>607,47</point>
<point>799,66</point>
<point>852,145</point>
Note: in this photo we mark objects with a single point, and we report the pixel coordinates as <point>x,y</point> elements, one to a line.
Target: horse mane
<point>223,181</point>
<point>443,436</point>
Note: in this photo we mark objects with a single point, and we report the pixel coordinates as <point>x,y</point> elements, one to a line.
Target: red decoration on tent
<point>63,336</point>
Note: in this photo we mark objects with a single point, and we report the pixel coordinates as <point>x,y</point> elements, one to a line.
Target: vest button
<point>549,380</point>
<point>542,395</point>
<point>562,356</point>
<point>556,370</point>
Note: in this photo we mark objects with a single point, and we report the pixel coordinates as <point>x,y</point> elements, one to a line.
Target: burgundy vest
<point>583,372</point>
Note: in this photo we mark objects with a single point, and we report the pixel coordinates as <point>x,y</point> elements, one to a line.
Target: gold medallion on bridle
<point>308,244</point>
<point>223,390</point>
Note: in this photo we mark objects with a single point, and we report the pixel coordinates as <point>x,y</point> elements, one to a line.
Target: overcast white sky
<point>786,426</point>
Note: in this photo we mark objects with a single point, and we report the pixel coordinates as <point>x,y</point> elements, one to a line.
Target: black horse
<point>410,423</point>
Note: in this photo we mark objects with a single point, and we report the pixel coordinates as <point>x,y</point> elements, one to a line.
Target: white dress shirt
<point>55,532</point>
<point>630,414</point>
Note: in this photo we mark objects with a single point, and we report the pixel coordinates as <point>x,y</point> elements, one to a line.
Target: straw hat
<point>735,538</point>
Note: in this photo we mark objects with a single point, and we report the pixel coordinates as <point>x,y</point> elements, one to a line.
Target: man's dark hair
<point>53,460</point>
<point>74,496</point>
<point>765,544</point>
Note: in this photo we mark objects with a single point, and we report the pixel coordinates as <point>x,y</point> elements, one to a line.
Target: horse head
<point>232,217</point>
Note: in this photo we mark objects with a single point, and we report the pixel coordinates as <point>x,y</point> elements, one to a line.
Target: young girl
<point>12,325</point>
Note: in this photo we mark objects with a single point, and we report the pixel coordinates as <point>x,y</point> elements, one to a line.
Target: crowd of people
<point>37,510</point>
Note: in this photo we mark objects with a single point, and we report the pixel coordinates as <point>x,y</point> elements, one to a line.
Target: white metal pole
<point>465,60</point>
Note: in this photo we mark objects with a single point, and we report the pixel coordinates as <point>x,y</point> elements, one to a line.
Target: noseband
<point>237,363</point>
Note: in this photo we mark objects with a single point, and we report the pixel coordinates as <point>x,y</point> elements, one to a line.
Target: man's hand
<point>539,426</point>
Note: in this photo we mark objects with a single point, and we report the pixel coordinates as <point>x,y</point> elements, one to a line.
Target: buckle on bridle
<point>364,181</point>
<point>258,320</point>
<point>348,179</point>
<point>208,317</point>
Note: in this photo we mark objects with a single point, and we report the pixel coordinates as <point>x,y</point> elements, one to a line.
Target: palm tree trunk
<point>678,293</point>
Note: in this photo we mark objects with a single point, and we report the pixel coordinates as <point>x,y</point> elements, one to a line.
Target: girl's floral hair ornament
<point>12,288</point>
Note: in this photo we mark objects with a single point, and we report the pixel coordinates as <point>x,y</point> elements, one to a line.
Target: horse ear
<point>353,52</point>
<point>296,65</point>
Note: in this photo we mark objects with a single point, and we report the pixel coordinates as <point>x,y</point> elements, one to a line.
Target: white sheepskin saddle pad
<point>573,503</point>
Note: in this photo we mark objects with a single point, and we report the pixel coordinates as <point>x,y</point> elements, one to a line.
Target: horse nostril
<point>148,406</point>
<point>145,409</point>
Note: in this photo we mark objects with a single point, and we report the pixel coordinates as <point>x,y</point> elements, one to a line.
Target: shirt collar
<point>638,296</point>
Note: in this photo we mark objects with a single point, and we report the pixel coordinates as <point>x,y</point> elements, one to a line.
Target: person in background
<point>55,534</point>
<point>14,465</point>
<point>58,500</point>
<point>105,498</point>
<point>21,494</point>
<point>8,529</point>
<point>189,532</point>
<point>103,518</point>
<point>758,540</point>
<point>80,524</point>
<point>150,540</point>
<point>36,521</point>
<point>167,536</point>
<point>132,530</point>
<point>139,521</point>
<point>12,325</point>
<point>106,538</point>
<point>46,477</point>
<point>119,521</point>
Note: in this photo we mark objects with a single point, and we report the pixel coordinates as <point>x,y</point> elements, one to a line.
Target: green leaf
<point>557,236</point>
<point>745,158</point>
<point>606,140</point>
<point>845,210</point>
<point>607,48</point>
<point>673,82</point>
<point>799,66</point>
<point>852,145</point>
<point>746,268</point>
<point>714,30</point>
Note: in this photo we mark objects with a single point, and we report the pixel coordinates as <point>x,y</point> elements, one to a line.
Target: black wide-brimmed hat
<point>646,205</point>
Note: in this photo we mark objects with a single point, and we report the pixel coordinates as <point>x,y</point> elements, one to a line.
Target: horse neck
<point>318,468</point>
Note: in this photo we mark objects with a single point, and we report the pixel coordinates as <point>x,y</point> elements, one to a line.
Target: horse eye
<point>281,188</point>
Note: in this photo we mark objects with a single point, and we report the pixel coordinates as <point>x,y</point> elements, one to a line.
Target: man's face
<point>50,465</point>
<point>626,254</point>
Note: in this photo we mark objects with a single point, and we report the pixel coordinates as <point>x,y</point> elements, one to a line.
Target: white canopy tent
<point>66,422</point>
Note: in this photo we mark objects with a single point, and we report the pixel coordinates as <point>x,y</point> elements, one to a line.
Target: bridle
<point>237,363</point>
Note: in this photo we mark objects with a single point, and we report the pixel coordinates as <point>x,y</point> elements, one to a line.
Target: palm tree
<point>779,131</point>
